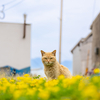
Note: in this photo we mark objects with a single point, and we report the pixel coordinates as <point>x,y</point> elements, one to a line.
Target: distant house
<point>95,27</point>
<point>15,48</point>
<point>77,57</point>
<point>82,55</point>
<point>86,53</point>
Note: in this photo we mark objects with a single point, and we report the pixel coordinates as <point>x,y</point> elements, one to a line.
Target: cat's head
<point>48,58</point>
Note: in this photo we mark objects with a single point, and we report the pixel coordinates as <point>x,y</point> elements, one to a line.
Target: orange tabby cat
<point>52,68</point>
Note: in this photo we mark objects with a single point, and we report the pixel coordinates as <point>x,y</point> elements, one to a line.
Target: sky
<point>44,16</point>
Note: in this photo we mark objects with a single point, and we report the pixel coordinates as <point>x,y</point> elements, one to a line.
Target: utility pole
<point>60,32</point>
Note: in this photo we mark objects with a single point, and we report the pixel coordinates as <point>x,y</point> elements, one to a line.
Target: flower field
<point>31,88</point>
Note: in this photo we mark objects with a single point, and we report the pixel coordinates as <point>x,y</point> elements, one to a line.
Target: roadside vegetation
<point>27,87</point>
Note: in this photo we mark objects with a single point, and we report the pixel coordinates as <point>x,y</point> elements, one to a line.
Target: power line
<point>2,11</point>
<point>94,4</point>
<point>14,5</point>
<point>9,2</point>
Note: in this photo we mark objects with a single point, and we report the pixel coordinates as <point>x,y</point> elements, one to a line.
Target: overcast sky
<point>44,15</point>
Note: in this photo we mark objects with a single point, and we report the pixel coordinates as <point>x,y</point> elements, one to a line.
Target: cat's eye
<point>45,58</point>
<point>51,58</point>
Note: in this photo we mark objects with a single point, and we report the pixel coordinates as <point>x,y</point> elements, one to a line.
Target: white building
<point>82,58</point>
<point>14,49</point>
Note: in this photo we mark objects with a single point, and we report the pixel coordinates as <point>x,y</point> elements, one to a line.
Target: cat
<point>52,68</point>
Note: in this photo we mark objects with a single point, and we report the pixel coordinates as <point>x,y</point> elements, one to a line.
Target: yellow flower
<point>90,91</point>
<point>0,82</point>
<point>61,77</point>
<point>53,89</point>
<point>32,84</point>
<point>26,75</point>
<point>2,88</point>
<point>40,81</point>
<point>96,79</point>
<point>87,77</point>
<point>40,89</point>
<point>71,81</point>
<point>34,89</point>
<point>22,86</point>
<point>97,70</point>
<point>65,99</point>
<point>44,94</point>
<point>51,83</point>
<point>78,77</point>
<point>30,88</point>
<point>4,80</point>
<point>30,91</point>
<point>37,85</point>
<point>27,79</point>
<point>81,85</point>
<point>12,88</point>
<point>11,80</point>
<point>65,82</point>
<point>34,81</point>
<point>17,94</point>
<point>20,78</point>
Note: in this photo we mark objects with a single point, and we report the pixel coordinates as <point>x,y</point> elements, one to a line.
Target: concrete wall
<point>90,44</point>
<point>86,46</point>
<point>76,61</point>
<point>14,50</point>
<point>80,57</point>
<point>96,40</point>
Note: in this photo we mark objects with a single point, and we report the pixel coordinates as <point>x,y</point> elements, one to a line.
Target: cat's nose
<point>48,61</point>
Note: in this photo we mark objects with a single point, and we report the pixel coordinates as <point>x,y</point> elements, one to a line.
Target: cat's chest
<point>50,72</point>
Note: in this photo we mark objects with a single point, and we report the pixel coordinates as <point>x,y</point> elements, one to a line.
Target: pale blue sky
<point>44,16</point>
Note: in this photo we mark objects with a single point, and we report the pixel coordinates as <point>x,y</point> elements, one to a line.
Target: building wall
<point>96,40</point>
<point>80,57</point>
<point>14,50</point>
<point>86,61</point>
<point>76,61</point>
<point>85,48</point>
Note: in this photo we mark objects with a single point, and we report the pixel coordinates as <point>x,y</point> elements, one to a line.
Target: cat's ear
<point>54,52</point>
<point>42,52</point>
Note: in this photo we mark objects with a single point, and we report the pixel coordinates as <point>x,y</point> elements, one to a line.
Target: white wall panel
<point>14,50</point>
